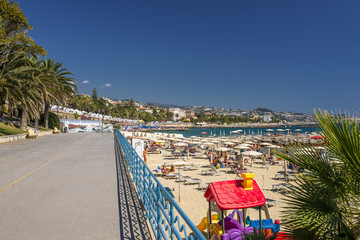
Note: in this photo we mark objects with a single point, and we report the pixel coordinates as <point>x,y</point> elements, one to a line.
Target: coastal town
<point>186,120</point>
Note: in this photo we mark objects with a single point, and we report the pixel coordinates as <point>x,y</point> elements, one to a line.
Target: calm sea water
<point>245,131</point>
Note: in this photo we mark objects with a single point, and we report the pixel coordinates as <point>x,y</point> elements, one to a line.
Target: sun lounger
<point>206,172</point>
<point>203,186</point>
<point>171,175</point>
<point>271,202</point>
<point>192,181</point>
<point>190,168</point>
<point>182,178</point>
<point>168,155</point>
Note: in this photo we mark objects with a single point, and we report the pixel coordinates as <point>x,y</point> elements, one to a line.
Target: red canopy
<point>203,133</point>
<point>316,137</point>
<point>231,195</point>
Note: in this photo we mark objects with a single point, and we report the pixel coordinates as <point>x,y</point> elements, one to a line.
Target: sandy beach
<point>192,199</point>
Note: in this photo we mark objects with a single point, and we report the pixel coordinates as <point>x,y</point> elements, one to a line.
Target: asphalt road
<point>59,187</point>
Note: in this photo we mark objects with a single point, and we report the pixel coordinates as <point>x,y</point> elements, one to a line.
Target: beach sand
<point>192,200</point>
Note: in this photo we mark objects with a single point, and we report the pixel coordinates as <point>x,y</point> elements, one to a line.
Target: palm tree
<point>325,202</point>
<point>20,88</point>
<point>59,87</point>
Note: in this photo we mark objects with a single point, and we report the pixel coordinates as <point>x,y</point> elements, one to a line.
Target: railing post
<point>158,212</point>
<point>172,219</point>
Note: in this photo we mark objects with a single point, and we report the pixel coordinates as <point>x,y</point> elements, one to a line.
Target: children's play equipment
<point>234,195</point>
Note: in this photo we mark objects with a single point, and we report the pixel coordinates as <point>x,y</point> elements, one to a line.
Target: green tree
<point>94,95</point>
<point>325,202</point>
<point>58,86</point>
<point>14,27</point>
<point>19,87</point>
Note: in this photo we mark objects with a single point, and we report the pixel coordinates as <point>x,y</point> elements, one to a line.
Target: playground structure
<point>234,195</point>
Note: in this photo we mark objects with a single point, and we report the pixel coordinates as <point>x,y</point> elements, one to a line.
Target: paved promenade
<point>59,187</point>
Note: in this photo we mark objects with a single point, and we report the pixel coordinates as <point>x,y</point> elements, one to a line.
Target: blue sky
<point>283,55</point>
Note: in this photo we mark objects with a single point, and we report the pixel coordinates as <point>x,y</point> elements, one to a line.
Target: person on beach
<point>172,169</point>
<point>145,153</point>
<point>164,169</point>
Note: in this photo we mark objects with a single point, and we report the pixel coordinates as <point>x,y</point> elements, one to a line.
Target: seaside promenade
<point>59,187</point>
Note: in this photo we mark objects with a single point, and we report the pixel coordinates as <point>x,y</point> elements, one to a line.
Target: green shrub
<point>76,115</point>
<point>54,121</point>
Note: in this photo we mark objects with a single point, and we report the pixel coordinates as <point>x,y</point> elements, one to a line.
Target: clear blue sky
<point>283,55</point>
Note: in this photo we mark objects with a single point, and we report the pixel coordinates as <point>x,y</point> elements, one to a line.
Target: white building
<point>178,113</point>
<point>267,118</point>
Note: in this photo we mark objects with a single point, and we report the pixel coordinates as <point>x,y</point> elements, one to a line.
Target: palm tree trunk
<point>46,114</point>
<point>23,121</point>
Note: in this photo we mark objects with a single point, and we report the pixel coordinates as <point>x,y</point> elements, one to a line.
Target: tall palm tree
<point>325,202</point>
<point>59,86</point>
<point>19,87</point>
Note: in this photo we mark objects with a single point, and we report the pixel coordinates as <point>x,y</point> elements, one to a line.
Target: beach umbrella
<point>241,147</point>
<point>208,143</point>
<point>272,146</point>
<point>297,130</point>
<point>222,149</point>
<point>249,142</point>
<point>280,130</point>
<point>194,142</point>
<point>228,143</point>
<point>180,144</point>
<point>251,153</point>
<point>265,144</point>
<point>179,164</point>
<point>316,137</point>
<point>202,133</point>
<point>269,130</point>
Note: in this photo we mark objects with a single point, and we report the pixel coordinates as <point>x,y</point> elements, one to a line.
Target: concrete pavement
<point>59,187</point>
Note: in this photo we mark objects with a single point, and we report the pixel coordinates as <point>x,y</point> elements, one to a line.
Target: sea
<point>220,132</point>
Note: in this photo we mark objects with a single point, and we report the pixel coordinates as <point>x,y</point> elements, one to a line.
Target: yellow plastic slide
<point>203,224</point>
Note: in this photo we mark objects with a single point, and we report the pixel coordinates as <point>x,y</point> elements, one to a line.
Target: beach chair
<point>271,202</point>
<point>171,175</point>
<point>203,186</point>
<point>190,167</point>
<point>206,172</point>
<point>192,181</point>
<point>182,178</point>
<point>215,171</point>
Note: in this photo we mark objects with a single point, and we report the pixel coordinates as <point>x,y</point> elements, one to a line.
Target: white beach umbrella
<point>251,153</point>
<point>280,130</point>
<point>272,146</point>
<point>179,164</point>
<point>270,130</point>
<point>222,149</point>
<point>241,147</point>
<point>194,142</point>
<point>228,143</point>
<point>265,144</point>
<point>297,130</point>
<point>180,144</point>
<point>249,142</point>
<point>208,143</point>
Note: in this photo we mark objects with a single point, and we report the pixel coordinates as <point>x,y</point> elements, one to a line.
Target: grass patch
<point>8,130</point>
<point>42,129</point>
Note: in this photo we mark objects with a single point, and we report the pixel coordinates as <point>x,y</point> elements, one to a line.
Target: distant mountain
<point>163,105</point>
<point>262,110</point>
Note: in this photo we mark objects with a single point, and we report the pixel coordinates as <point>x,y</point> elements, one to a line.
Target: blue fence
<point>167,219</point>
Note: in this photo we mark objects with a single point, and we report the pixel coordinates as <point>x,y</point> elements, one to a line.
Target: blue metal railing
<point>166,218</point>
